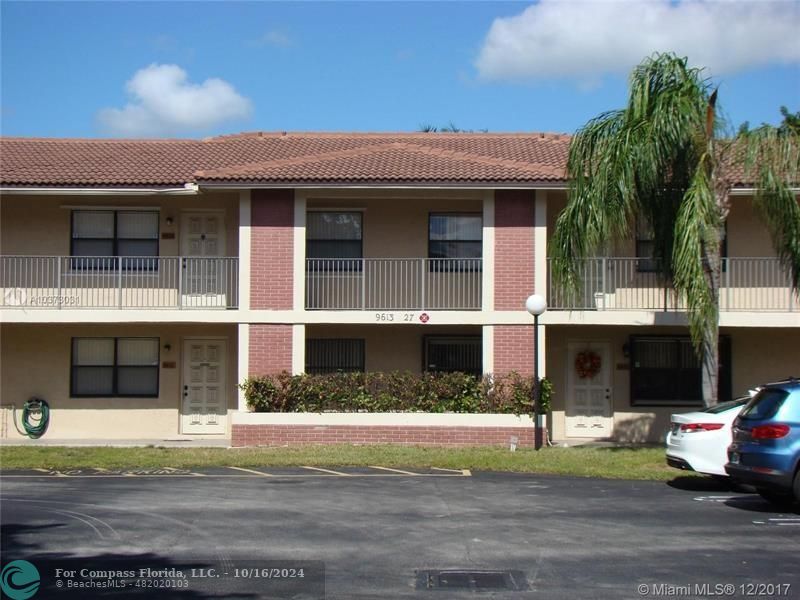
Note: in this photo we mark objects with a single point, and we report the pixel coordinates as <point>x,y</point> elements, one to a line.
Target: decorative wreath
<point>587,364</point>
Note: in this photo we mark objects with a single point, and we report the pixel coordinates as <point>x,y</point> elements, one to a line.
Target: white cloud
<point>164,102</point>
<point>581,40</point>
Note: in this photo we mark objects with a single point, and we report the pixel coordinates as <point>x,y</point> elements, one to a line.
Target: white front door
<point>203,278</point>
<point>205,404</point>
<point>203,234</point>
<point>589,402</point>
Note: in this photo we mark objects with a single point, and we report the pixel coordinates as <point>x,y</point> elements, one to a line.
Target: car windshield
<point>764,405</point>
<point>725,406</point>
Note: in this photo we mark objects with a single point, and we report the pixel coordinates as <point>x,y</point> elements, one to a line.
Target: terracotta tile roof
<point>293,158</point>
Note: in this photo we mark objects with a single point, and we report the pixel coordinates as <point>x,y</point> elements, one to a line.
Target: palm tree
<point>666,158</point>
<point>449,128</point>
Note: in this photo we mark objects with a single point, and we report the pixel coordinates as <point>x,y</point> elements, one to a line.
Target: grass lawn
<point>613,463</point>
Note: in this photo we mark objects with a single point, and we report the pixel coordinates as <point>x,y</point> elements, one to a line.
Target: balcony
<point>747,284</point>
<point>121,282</point>
<point>394,283</point>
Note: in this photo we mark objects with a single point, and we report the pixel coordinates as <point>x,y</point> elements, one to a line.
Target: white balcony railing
<point>132,282</point>
<point>394,283</point>
<point>747,284</point>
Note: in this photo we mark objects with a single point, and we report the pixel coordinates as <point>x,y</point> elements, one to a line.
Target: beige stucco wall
<point>389,347</point>
<point>395,225</point>
<point>747,234</point>
<point>40,225</point>
<point>758,356</point>
<point>35,361</point>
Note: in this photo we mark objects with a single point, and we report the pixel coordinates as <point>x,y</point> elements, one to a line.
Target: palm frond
<point>696,228</point>
<point>635,161</point>
<point>772,160</point>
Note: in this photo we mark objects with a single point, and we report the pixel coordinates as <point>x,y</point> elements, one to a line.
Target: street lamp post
<point>536,305</point>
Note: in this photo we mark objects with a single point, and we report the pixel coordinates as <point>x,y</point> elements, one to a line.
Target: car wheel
<point>796,485</point>
<point>776,498</point>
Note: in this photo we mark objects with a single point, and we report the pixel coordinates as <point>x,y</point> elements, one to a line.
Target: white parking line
<point>464,472</point>
<point>715,498</point>
<point>790,522</point>
<point>782,522</point>
<point>339,473</point>
<point>394,470</point>
<point>51,472</point>
<point>251,471</point>
<point>233,472</point>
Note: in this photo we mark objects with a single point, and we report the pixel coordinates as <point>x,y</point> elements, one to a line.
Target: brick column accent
<point>513,248</point>
<point>513,349</point>
<point>271,277</point>
<point>513,277</point>
<point>272,249</point>
<point>270,349</point>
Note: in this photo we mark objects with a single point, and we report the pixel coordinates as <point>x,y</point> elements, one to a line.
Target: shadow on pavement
<point>13,548</point>
<point>694,483</point>
<point>757,504</point>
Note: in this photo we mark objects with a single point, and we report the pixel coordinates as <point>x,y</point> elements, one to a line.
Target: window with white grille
<point>448,354</point>
<point>334,355</point>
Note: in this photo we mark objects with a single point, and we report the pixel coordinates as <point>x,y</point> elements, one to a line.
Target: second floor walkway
<point>613,283</point>
<point>364,284</point>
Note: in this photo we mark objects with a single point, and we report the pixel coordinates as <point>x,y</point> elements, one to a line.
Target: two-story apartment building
<point>142,281</point>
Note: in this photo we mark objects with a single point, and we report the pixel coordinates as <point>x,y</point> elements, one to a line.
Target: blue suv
<point>765,452</point>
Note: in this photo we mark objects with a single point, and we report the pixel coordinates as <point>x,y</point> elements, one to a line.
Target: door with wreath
<point>589,401</point>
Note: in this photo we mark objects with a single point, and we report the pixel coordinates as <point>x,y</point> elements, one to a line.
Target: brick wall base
<point>298,435</point>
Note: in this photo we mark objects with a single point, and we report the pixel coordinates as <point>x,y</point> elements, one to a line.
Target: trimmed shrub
<point>394,391</point>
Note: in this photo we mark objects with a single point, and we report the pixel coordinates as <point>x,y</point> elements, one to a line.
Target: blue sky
<point>191,69</point>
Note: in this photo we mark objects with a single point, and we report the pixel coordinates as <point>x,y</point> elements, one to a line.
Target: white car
<point>698,441</point>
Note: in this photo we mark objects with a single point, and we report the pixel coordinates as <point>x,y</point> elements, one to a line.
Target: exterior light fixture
<point>536,305</point>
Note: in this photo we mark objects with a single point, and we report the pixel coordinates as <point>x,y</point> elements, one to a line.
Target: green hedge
<point>393,392</point>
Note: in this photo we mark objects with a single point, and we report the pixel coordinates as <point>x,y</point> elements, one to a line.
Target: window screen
<point>110,367</point>
<point>92,233</point>
<point>666,371</point>
<point>447,354</point>
<point>137,233</point>
<point>645,247</point>
<point>334,241</point>
<point>455,236</point>
<point>137,367</point>
<point>115,234</point>
<point>93,367</point>
<point>334,355</point>
<point>333,235</point>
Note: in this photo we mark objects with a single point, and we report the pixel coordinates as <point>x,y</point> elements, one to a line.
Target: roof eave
<point>189,189</point>
<point>383,184</point>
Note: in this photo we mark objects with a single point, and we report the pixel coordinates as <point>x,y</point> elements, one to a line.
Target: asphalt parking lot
<point>368,533</point>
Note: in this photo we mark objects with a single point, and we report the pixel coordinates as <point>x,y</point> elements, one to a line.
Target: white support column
<point>243,361</point>
<point>298,349</point>
<point>487,282</point>
<point>540,269</point>
<point>299,252</point>
<point>541,359</point>
<point>488,349</point>
<point>243,329</point>
<point>540,244</point>
<point>487,299</point>
<point>299,282</point>
<point>244,249</point>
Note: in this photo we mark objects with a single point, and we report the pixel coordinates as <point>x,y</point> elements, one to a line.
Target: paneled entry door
<point>589,402</point>
<point>205,405</point>
<point>202,241</point>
